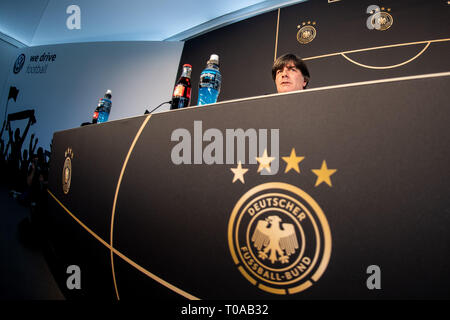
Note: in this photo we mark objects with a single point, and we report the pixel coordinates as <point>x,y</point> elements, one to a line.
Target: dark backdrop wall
<point>246,51</point>
<point>415,40</point>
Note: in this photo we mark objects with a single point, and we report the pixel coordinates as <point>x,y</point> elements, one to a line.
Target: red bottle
<point>181,97</point>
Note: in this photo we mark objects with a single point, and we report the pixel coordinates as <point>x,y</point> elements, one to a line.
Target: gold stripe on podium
<point>276,36</point>
<point>136,138</point>
<point>124,257</point>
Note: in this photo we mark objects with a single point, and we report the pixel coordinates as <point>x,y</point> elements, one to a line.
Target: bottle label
<point>104,104</point>
<point>210,80</point>
<point>179,91</point>
<point>182,91</point>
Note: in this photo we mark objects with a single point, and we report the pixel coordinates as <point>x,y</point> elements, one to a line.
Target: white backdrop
<point>7,57</point>
<point>64,87</point>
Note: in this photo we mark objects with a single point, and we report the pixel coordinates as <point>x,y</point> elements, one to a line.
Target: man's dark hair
<point>285,59</point>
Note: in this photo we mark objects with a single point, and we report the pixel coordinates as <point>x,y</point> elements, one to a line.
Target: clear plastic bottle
<point>104,107</point>
<point>210,82</point>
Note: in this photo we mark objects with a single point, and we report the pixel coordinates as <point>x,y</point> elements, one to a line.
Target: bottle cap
<point>214,58</point>
<point>187,65</point>
<point>108,91</point>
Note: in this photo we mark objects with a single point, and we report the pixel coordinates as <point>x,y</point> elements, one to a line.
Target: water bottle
<point>210,81</point>
<point>104,107</point>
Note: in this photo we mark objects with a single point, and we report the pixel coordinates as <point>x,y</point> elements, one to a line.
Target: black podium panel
<point>356,204</point>
<point>96,160</point>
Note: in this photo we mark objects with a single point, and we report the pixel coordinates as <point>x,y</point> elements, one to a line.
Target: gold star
<point>292,161</point>
<point>323,174</point>
<point>264,161</point>
<point>239,173</point>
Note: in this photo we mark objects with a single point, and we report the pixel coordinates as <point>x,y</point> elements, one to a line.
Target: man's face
<point>289,78</point>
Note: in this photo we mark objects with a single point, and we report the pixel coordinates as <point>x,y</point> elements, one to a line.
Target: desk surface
<point>371,190</point>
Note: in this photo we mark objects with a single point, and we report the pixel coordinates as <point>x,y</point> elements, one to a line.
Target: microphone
<point>147,112</point>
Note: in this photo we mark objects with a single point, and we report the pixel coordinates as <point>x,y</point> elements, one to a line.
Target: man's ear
<point>305,83</point>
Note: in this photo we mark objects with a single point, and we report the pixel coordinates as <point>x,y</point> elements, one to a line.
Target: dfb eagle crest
<point>281,241</point>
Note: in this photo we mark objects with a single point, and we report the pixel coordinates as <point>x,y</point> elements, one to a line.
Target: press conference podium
<point>373,223</point>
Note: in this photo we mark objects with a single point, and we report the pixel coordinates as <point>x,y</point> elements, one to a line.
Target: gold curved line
<point>300,288</point>
<point>125,258</point>
<point>387,67</point>
<point>375,48</point>
<point>271,290</point>
<point>79,222</point>
<point>276,36</point>
<point>156,278</point>
<point>115,199</point>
